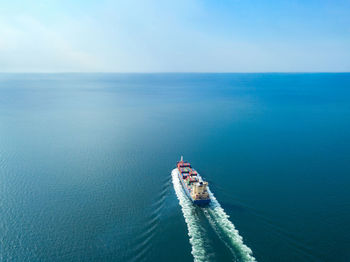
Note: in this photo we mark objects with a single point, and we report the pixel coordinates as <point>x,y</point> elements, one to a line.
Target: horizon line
<point>180,72</point>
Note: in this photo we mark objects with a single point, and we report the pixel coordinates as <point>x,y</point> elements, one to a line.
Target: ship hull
<point>198,202</point>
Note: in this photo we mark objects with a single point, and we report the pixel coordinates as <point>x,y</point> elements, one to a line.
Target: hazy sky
<point>174,36</point>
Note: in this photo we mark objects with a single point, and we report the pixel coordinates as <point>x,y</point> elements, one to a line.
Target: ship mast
<point>182,159</point>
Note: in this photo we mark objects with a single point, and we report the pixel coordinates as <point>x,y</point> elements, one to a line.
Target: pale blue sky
<point>174,36</point>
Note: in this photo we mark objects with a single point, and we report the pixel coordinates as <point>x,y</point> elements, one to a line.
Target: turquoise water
<point>86,162</point>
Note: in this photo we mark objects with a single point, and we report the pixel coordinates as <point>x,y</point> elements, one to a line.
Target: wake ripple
<point>219,221</point>
<point>143,242</point>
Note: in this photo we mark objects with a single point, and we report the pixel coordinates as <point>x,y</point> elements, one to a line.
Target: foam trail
<point>195,231</point>
<point>220,220</point>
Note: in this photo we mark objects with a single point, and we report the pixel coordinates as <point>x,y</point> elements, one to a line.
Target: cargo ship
<point>193,184</point>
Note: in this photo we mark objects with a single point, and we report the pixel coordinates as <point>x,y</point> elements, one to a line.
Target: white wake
<point>218,219</point>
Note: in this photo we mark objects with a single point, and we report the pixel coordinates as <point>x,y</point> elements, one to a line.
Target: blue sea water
<point>86,162</point>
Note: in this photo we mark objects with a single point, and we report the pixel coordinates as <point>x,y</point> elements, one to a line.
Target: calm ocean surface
<point>86,161</point>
